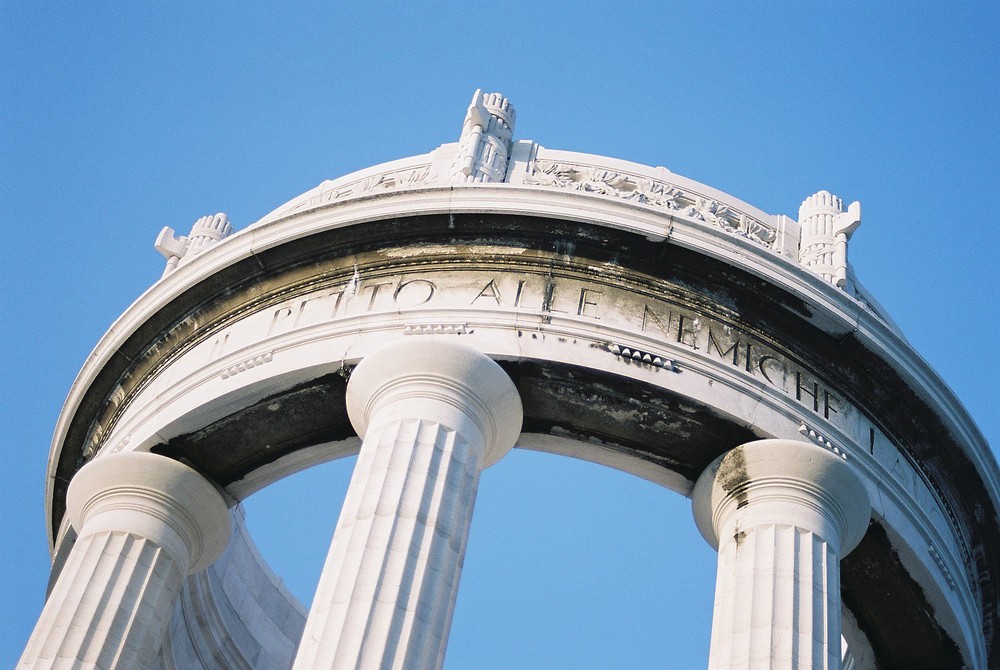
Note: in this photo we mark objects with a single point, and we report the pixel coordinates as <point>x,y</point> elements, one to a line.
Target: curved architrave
<point>841,315</point>
<point>648,250</point>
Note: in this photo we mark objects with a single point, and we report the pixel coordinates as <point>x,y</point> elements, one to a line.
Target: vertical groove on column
<point>834,606</point>
<point>447,606</point>
<point>805,600</point>
<point>371,551</point>
<point>776,587</point>
<point>114,577</point>
<point>63,636</point>
<point>155,596</point>
<point>462,482</point>
<point>396,555</point>
<point>45,644</point>
<point>333,594</point>
<point>724,607</point>
<point>812,603</point>
<point>782,636</point>
<point>120,564</point>
<point>763,586</point>
<point>440,557</point>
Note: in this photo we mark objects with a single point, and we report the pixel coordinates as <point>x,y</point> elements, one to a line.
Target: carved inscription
<point>724,343</point>
<point>676,327</point>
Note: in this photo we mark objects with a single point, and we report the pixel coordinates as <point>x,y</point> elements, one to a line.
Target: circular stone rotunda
<point>431,313</point>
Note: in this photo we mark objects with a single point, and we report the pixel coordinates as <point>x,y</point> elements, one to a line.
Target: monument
<point>430,314</point>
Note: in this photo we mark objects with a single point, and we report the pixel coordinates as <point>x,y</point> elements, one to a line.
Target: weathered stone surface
<point>686,321</point>
<point>145,522</point>
<point>432,415</point>
<point>782,514</point>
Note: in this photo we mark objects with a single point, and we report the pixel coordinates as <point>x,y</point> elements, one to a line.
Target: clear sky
<point>117,119</point>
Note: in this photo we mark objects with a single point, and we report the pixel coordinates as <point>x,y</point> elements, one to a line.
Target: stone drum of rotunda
<point>430,314</point>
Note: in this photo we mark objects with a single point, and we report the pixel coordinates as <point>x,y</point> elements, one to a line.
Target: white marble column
<point>144,522</point>
<point>432,415</point>
<point>782,514</point>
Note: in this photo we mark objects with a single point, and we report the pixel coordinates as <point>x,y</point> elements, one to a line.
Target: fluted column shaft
<point>144,522</point>
<point>782,514</point>
<point>432,415</point>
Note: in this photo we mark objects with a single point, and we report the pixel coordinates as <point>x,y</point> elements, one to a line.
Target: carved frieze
<point>633,355</point>
<point>383,181</point>
<point>646,191</point>
<point>438,329</point>
<point>942,566</point>
<point>248,364</point>
<point>649,331</point>
<point>822,440</point>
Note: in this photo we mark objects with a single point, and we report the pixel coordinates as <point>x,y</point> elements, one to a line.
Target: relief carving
<point>485,144</point>
<point>385,181</point>
<point>942,566</point>
<point>635,188</point>
<point>205,232</point>
<point>818,438</point>
<point>634,355</point>
<point>248,364</point>
<point>438,329</point>
<point>826,226</point>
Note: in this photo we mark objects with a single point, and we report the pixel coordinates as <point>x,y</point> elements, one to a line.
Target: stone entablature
<point>676,197</point>
<point>534,165</point>
<point>416,300</point>
<point>517,308</point>
<point>688,312</point>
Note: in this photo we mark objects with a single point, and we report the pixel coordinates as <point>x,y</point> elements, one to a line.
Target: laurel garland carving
<point>384,181</point>
<point>643,190</point>
<point>587,179</point>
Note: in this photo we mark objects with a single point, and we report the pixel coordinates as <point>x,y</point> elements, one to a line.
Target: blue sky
<point>120,119</point>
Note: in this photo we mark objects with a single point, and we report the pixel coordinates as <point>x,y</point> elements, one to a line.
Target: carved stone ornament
<point>429,313</point>
<point>592,179</point>
<point>825,229</point>
<point>484,148</point>
<point>205,232</point>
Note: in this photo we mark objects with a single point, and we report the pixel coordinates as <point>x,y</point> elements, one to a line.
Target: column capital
<point>782,482</point>
<point>441,381</point>
<point>155,497</point>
